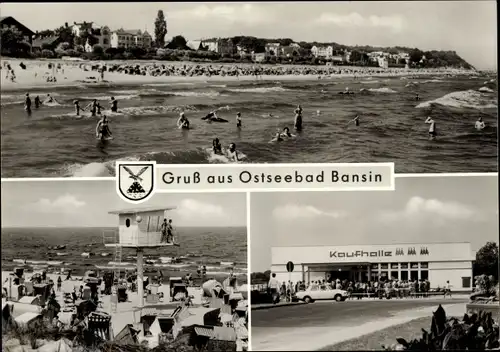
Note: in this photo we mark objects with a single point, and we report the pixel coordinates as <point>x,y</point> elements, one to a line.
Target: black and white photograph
<point>82,270</point>
<point>365,271</point>
<point>86,84</point>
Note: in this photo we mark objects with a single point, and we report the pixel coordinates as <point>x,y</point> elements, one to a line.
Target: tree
<point>487,260</point>
<point>87,37</point>
<point>97,49</point>
<point>10,40</point>
<point>416,55</point>
<point>178,42</point>
<point>160,29</point>
<point>355,56</point>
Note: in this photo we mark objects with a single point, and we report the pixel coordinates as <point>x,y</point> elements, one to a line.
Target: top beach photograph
<point>84,85</point>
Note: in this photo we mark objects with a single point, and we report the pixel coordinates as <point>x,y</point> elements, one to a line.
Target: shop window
<point>384,266</point>
<point>466,282</point>
<point>424,274</point>
<point>413,275</point>
<point>394,265</point>
<point>383,275</point>
<point>374,266</point>
<point>404,265</point>
<point>394,275</point>
<point>424,265</point>
<point>413,265</point>
<point>404,275</point>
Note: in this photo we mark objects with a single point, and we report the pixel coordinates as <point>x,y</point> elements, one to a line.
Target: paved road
<point>280,323</point>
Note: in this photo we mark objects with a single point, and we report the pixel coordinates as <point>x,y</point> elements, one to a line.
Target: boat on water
<point>227,263</point>
<point>62,254</point>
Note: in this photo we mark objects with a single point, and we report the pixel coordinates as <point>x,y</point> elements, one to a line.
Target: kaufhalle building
<point>436,262</point>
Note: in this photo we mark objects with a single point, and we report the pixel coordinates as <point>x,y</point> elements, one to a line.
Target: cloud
<point>245,14</point>
<point>354,19</point>
<point>417,207</point>
<point>193,209</point>
<point>291,211</point>
<point>63,204</point>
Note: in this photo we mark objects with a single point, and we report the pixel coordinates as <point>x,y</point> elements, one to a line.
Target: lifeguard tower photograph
<point>82,269</point>
<point>347,271</point>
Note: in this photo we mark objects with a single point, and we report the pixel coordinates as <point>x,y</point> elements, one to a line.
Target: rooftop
<point>141,210</point>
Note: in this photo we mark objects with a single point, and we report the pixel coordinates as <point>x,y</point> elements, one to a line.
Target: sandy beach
<point>80,73</point>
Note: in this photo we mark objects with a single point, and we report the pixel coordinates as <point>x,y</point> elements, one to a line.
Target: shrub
<point>97,49</point>
<point>477,332</point>
<point>72,53</point>
<point>47,53</point>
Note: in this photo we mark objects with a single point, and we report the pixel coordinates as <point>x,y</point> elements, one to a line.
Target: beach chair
<point>86,293</point>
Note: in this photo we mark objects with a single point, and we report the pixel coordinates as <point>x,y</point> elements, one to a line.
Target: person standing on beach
<point>37,102</point>
<point>432,127</point>
<point>27,104</point>
<point>114,105</point>
<point>238,120</point>
<point>59,284</point>
<point>170,232</point>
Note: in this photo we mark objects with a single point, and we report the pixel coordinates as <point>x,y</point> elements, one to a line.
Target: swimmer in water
<point>277,137</point>
<point>93,107</point>
<point>238,120</point>
<point>232,154</point>
<point>216,146</point>
<point>286,133</point>
<point>211,115</point>
<point>37,102</point>
<point>99,107</point>
<point>114,104</point>
<point>182,122</point>
<point>480,124</point>
<point>77,107</point>
<point>49,99</point>
<point>417,98</point>
<point>355,120</point>
<point>27,103</point>
<point>102,128</point>
<point>298,118</point>
<point>432,127</point>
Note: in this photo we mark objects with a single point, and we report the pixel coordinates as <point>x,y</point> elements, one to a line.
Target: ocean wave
<point>107,168</point>
<point>486,90</point>
<point>379,90</point>
<point>117,97</point>
<point>168,84</point>
<point>461,99</point>
<point>259,90</point>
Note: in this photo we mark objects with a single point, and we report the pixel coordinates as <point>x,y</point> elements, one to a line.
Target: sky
<point>467,27</point>
<point>420,210</point>
<point>79,203</point>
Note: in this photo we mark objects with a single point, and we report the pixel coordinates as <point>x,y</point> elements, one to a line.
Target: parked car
<point>314,293</point>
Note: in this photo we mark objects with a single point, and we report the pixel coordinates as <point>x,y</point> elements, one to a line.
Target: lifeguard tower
<point>140,229</point>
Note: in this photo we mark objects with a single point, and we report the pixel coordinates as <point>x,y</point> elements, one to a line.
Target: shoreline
<point>74,74</point>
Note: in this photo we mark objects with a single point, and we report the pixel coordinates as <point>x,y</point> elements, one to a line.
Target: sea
<point>53,142</point>
<point>219,249</point>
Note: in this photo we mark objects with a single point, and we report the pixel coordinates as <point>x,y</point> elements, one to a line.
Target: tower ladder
<point>116,274</point>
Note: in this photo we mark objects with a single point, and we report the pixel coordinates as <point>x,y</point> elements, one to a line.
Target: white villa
<point>322,51</point>
<point>102,33</point>
<point>122,38</point>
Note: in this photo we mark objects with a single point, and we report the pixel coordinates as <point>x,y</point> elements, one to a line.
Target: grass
<point>386,337</point>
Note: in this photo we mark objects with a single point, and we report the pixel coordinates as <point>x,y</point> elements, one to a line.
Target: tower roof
<point>142,210</point>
